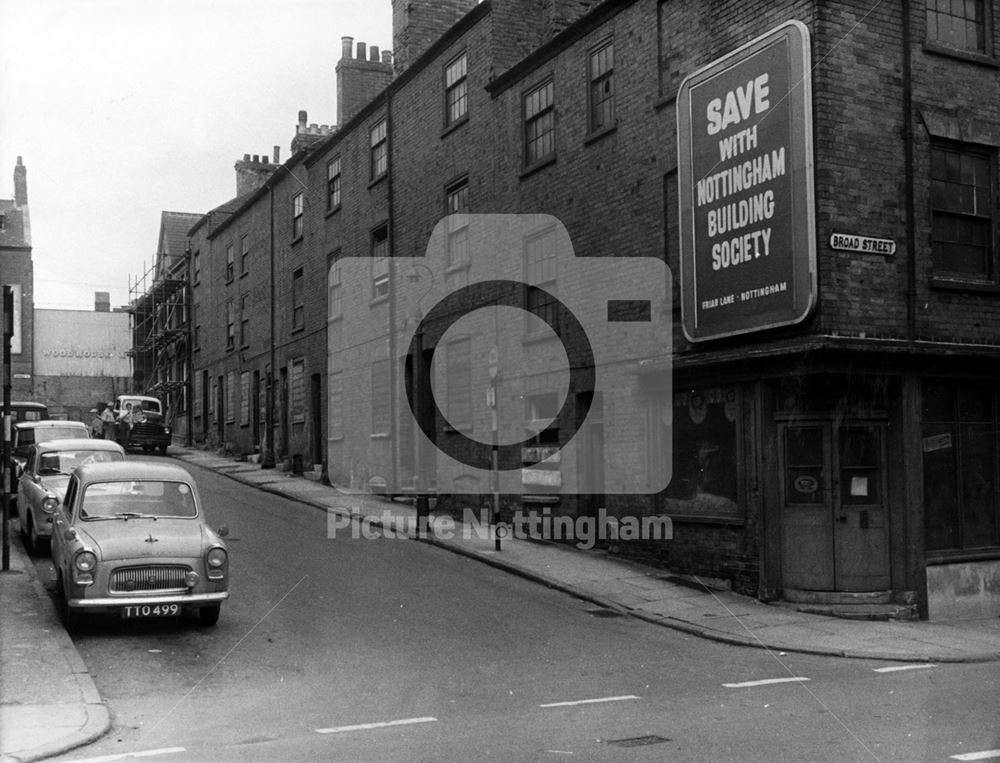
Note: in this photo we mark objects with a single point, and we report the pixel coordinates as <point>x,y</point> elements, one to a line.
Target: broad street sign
<point>745,173</point>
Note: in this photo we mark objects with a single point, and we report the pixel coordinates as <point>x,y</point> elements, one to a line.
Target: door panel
<point>834,511</point>
<point>807,533</point>
<point>861,554</point>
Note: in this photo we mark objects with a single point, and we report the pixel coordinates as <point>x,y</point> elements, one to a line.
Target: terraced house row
<point>797,334</point>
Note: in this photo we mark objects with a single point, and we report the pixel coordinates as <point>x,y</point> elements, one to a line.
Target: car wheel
<point>163,449</point>
<point>70,618</point>
<point>209,615</point>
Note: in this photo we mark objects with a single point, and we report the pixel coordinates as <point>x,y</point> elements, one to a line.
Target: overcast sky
<point>124,108</point>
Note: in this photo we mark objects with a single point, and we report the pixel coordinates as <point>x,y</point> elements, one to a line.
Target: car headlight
<point>85,561</point>
<point>216,558</point>
<point>50,503</point>
<point>166,430</point>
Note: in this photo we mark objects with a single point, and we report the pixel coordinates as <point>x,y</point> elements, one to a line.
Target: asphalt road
<point>391,650</point>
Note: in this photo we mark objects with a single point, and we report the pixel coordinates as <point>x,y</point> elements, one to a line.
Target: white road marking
<point>895,668</point>
<point>984,755</point>
<point>124,755</point>
<point>765,681</point>
<point>379,725</point>
<point>590,701</point>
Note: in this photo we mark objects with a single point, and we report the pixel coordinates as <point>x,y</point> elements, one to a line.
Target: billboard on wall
<point>745,173</point>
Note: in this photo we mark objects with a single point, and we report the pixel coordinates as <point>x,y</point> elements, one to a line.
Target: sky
<point>121,109</point>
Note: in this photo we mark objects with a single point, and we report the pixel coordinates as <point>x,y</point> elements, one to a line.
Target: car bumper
<point>193,600</point>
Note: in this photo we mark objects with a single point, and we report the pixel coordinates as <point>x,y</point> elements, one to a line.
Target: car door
<point>27,489</point>
<point>61,522</point>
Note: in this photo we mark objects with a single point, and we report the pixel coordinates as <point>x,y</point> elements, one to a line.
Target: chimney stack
<point>251,173</point>
<point>20,184</point>
<point>102,302</point>
<point>360,77</point>
<point>418,24</point>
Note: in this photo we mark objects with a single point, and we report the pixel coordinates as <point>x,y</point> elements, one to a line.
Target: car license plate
<point>151,610</point>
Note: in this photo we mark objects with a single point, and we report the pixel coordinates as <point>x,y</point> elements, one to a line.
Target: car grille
<point>150,577</point>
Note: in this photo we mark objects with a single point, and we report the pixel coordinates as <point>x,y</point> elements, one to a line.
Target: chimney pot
<point>373,53</point>
<point>387,57</point>
<point>246,157</point>
<point>362,51</point>
<point>303,116</point>
<point>277,154</point>
<point>346,47</point>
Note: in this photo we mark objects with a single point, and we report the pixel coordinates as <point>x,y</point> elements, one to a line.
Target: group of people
<point>107,425</point>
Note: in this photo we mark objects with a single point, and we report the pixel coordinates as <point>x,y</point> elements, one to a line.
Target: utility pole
<point>8,335</point>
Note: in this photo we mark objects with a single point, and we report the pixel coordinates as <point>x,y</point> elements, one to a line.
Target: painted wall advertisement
<point>745,169</point>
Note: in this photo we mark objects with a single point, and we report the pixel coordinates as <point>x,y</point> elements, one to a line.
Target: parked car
<point>24,434</point>
<point>130,539</point>
<point>28,411</point>
<point>149,429</point>
<point>43,480</point>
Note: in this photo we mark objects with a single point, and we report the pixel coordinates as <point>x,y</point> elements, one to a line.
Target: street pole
<point>491,401</point>
<point>419,386</point>
<point>8,334</point>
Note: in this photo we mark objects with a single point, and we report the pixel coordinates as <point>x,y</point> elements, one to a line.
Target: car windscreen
<point>65,461</point>
<point>127,499</point>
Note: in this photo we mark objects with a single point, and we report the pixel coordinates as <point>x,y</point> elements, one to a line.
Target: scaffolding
<point>160,315</point>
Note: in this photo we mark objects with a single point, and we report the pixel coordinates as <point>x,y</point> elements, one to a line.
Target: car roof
<point>137,397</point>
<point>50,424</point>
<point>78,443</point>
<point>132,470</point>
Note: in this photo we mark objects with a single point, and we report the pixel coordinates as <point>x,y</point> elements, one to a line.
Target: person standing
<point>96,425</point>
<point>108,422</point>
<point>124,424</point>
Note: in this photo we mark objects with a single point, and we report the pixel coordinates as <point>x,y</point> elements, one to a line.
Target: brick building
<point>17,271</point>
<point>838,450</point>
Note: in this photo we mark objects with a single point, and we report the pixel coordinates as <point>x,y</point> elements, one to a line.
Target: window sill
<point>332,212</point>
<point>935,558</point>
<point>596,135</point>
<point>964,55</point>
<point>704,519</point>
<point>298,330</point>
<point>457,267</point>
<point>539,165</point>
<point>335,319</point>
<point>379,179</point>
<point>375,301</point>
<point>956,284</point>
<point>379,436</point>
<point>244,274</point>
<point>449,129</point>
<point>296,240</point>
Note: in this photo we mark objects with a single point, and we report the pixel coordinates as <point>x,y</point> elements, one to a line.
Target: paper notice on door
<point>859,486</point>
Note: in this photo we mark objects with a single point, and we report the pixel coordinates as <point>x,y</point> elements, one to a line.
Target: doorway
<point>833,505</point>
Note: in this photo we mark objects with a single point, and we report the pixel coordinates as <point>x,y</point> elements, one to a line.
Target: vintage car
<point>43,480</point>
<point>130,539</point>
<point>24,434</point>
<point>149,429</point>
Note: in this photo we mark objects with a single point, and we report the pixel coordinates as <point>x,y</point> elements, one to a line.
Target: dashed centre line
<point>590,701</point>
<point>766,681</point>
<point>982,755</point>
<point>377,725</point>
<point>897,668</point>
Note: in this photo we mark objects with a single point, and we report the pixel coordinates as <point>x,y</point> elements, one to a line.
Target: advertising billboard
<point>745,173</point>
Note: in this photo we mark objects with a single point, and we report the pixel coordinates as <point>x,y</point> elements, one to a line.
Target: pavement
<point>49,703</point>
